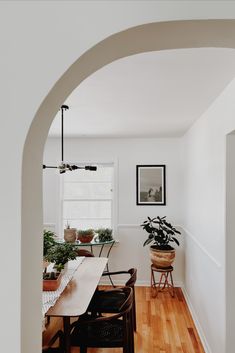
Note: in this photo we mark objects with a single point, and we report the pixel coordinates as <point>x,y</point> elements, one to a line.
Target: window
<point>87,198</point>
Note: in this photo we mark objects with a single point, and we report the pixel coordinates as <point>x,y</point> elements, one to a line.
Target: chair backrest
<point>133,276</point>
<point>114,330</point>
<point>123,310</point>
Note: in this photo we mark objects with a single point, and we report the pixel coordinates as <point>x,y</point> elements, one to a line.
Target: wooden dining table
<point>76,297</point>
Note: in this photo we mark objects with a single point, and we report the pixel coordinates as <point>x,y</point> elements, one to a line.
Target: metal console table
<point>93,244</point>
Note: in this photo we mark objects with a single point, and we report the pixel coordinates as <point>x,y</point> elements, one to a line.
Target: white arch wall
<point>39,41</point>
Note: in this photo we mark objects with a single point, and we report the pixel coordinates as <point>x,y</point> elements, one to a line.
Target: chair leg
<point>132,323</point>
<point>134,311</point>
<point>83,349</point>
<point>128,340</point>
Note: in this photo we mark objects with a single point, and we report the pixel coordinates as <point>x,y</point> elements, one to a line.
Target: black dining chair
<point>60,348</point>
<point>106,331</point>
<point>107,300</point>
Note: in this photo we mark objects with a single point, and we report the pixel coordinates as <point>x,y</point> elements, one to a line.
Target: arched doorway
<point>144,38</point>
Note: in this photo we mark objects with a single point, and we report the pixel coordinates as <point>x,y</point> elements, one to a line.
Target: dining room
<point>122,174</point>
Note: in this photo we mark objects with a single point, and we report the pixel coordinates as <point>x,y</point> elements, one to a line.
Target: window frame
<point>114,200</point>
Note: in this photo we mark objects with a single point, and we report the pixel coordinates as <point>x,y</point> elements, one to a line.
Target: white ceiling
<point>157,94</point>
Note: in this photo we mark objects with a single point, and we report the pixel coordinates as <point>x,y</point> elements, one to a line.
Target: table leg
<point>66,322</point>
<point>101,249</point>
<point>107,265</point>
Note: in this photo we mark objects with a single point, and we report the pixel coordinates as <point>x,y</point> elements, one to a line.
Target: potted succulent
<point>60,254</point>
<point>161,234</point>
<point>86,236</point>
<point>70,234</point>
<point>104,234</point>
<point>51,281</point>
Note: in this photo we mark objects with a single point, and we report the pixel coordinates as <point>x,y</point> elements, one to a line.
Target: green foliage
<point>60,254</point>
<point>85,232</point>
<point>160,233</point>
<point>48,241</point>
<point>105,234</point>
<point>51,275</point>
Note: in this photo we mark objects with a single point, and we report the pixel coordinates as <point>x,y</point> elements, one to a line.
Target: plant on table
<point>60,254</point>
<point>86,236</point>
<point>70,234</point>
<point>51,281</point>
<point>48,241</point>
<point>161,234</point>
<point>51,275</point>
<point>104,234</point>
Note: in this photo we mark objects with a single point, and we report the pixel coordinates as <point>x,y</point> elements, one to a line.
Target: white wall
<point>126,153</point>
<point>230,239</point>
<point>205,218</point>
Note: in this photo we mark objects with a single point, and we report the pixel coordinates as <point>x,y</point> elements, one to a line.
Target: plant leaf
<point>176,241</point>
<point>147,241</point>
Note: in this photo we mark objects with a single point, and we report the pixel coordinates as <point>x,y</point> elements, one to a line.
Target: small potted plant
<point>70,234</point>
<point>51,281</point>
<point>48,242</point>
<point>60,254</point>
<point>104,234</point>
<point>161,233</point>
<point>86,236</point>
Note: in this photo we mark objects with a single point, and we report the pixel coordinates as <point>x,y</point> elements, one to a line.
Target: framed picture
<point>150,185</point>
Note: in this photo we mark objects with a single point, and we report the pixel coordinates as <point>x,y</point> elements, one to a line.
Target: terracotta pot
<point>85,238</point>
<point>162,258</point>
<point>52,284</point>
<point>70,235</point>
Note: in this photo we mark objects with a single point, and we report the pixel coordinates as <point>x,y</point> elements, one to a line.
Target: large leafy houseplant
<point>60,254</point>
<point>160,234</point>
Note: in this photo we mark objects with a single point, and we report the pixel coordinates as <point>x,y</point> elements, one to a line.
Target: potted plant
<point>51,281</point>
<point>70,234</point>
<point>104,234</point>
<point>86,236</point>
<point>161,233</point>
<point>60,254</point>
<point>48,242</point>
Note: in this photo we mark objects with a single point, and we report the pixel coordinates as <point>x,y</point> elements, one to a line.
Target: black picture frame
<point>151,185</point>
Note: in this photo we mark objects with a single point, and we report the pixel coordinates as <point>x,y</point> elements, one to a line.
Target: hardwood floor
<point>164,325</point>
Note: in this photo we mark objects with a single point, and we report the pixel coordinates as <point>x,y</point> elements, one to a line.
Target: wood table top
<point>77,295</point>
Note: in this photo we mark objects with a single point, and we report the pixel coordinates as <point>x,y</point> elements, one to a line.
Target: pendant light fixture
<point>63,166</point>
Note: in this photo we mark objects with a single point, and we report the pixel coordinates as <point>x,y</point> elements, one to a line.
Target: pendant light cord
<point>63,107</point>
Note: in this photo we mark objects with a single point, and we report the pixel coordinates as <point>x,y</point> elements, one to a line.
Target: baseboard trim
<point>196,322</point>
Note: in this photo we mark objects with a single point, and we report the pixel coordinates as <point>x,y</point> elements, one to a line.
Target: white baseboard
<point>196,322</point>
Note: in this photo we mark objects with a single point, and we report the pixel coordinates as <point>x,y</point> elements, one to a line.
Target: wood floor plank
<point>164,325</point>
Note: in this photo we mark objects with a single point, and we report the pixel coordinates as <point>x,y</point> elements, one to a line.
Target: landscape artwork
<point>150,185</point>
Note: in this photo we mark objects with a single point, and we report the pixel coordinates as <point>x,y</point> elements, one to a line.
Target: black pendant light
<point>64,167</point>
